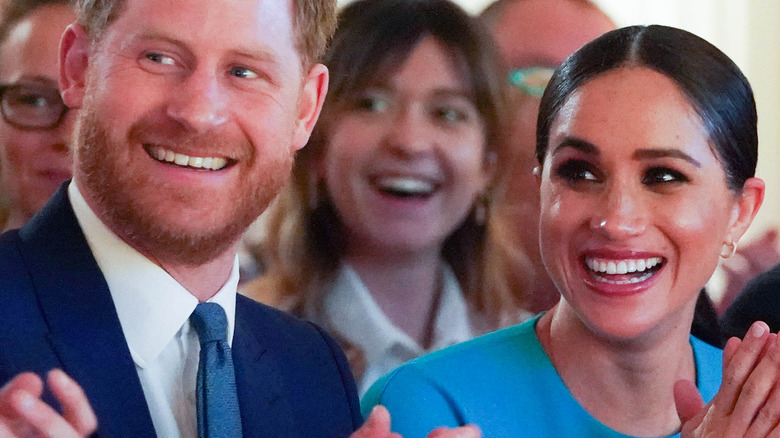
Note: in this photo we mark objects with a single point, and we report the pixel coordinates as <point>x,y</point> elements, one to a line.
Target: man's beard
<point>123,199</point>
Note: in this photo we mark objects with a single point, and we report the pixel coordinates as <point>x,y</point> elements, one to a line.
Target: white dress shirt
<point>350,312</point>
<point>154,311</point>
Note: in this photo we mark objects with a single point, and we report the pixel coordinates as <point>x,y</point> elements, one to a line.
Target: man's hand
<point>24,414</point>
<point>378,426</point>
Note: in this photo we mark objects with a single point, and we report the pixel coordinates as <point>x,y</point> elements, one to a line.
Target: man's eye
<point>34,100</point>
<point>575,171</point>
<point>662,175</point>
<point>160,59</point>
<point>243,73</point>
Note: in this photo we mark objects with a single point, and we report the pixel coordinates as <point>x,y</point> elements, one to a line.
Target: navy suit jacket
<point>56,311</point>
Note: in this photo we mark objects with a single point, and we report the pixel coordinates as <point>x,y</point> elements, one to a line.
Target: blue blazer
<point>56,311</point>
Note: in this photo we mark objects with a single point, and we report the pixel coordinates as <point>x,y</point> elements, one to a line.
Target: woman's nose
<point>620,215</point>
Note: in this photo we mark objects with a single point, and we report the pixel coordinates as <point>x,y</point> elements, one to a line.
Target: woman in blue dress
<point>646,149</point>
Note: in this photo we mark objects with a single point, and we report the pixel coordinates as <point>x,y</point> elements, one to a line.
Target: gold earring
<point>480,209</point>
<point>728,249</point>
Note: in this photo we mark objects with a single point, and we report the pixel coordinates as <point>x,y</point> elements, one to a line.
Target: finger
<point>27,382</point>
<point>40,417</point>
<point>739,368</point>
<point>468,431</point>
<point>729,350</point>
<point>767,418</point>
<point>687,400</point>
<point>75,406</point>
<point>752,404</point>
<point>376,426</point>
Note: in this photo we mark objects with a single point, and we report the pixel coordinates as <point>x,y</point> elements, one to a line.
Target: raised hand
<point>745,405</point>
<point>378,426</point>
<point>24,414</point>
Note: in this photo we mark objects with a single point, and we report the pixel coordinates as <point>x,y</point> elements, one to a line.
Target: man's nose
<point>199,102</point>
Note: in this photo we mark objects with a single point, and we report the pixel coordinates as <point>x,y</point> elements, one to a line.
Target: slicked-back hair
<point>715,87</point>
<point>313,21</point>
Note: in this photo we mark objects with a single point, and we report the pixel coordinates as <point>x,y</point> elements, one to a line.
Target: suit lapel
<point>265,407</point>
<point>84,327</point>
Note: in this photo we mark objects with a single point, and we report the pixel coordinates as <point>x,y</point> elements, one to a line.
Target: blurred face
<point>186,136</point>
<point>634,203</point>
<point>406,159</point>
<point>537,33</point>
<point>33,162</point>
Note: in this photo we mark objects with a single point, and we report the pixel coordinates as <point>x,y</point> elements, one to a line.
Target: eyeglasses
<point>31,106</point>
<point>531,80</point>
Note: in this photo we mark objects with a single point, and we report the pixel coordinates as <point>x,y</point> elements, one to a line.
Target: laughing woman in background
<point>384,234</point>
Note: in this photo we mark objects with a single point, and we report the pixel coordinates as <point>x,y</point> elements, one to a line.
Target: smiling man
<point>190,112</point>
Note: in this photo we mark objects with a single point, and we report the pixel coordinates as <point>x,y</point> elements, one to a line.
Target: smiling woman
<point>646,145</point>
<point>384,235</point>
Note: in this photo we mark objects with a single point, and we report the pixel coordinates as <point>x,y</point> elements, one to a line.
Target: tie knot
<point>210,322</point>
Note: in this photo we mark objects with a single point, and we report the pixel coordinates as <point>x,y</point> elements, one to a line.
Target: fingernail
<point>757,330</point>
<point>26,401</point>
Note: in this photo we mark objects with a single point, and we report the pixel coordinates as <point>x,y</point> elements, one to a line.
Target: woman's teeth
<point>627,266</point>
<point>405,186</point>
<point>168,156</point>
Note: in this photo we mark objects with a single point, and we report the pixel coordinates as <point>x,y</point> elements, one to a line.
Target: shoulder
<point>470,367</point>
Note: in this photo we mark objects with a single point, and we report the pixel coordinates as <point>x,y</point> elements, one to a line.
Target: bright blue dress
<point>504,383</point>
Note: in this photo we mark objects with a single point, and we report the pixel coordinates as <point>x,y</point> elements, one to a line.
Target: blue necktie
<point>218,413</point>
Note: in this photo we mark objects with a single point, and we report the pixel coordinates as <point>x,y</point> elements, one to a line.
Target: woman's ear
<point>74,62</point>
<point>746,208</point>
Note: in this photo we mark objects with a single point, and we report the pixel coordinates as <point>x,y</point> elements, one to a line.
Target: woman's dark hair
<point>713,84</point>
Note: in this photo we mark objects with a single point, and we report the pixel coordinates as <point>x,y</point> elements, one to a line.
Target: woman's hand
<point>378,426</point>
<point>747,404</point>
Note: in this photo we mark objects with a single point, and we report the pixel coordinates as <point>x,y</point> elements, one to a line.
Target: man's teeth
<point>627,266</point>
<point>406,185</point>
<point>168,156</point>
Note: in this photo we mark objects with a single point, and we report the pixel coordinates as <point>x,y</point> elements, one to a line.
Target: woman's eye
<point>450,114</point>
<point>243,73</point>
<point>160,58</point>
<point>576,171</point>
<point>662,175</point>
<point>372,104</point>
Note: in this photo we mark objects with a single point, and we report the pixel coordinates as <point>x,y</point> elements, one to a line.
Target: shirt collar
<point>152,306</point>
<point>351,312</point>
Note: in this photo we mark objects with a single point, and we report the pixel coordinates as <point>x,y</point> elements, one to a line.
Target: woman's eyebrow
<point>644,154</point>
<point>577,143</point>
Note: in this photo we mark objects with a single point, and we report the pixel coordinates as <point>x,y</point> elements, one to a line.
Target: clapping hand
<point>24,414</point>
<point>747,404</point>
<point>378,426</point>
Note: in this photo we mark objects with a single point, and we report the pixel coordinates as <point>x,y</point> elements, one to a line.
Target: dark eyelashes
<point>577,171</point>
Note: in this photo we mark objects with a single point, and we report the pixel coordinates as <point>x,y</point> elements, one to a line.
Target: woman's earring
<point>313,194</point>
<point>728,249</point>
<point>480,209</point>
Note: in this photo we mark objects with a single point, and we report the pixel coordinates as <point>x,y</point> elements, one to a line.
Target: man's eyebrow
<point>644,154</point>
<point>578,144</point>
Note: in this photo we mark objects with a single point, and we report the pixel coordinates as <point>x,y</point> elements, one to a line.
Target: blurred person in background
<point>533,38</point>
<point>384,236</point>
<point>35,127</point>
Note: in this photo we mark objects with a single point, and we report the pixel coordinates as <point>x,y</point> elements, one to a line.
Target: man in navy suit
<point>190,112</point>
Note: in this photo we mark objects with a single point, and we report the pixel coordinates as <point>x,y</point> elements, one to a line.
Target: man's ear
<point>746,208</point>
<point>74,61</point>
<point>315,87</point>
